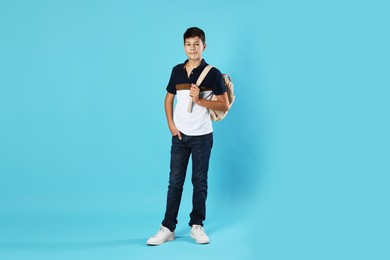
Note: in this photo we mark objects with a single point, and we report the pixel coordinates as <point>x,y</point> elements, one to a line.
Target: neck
<point>194,63</point>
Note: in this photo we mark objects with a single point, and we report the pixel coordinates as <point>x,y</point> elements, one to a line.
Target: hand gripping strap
<point>198,82</point>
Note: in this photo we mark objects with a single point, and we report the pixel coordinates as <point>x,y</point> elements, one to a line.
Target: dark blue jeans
<point>199,147</point>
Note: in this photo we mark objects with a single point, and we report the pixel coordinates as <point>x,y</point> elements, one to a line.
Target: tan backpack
<point>217,115</point>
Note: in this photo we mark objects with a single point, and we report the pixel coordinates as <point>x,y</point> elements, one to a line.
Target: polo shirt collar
<point>201,65</point>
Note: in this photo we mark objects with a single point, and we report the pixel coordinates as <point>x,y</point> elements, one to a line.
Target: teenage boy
<point>192,134</point>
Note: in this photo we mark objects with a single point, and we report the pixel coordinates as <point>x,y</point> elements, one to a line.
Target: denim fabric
<point>199,148</point>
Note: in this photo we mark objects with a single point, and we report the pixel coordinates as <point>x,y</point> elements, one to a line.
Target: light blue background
<point>299,168</point>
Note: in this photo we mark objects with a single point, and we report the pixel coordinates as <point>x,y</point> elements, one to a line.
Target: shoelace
<point>162,230</point>
<point>199,230</point>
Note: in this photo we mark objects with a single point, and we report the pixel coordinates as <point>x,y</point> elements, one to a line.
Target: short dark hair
<point>193,32</point>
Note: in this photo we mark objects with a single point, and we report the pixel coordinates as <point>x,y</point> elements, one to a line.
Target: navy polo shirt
<point>180,81</point>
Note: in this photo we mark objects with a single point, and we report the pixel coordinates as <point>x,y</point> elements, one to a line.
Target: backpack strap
<point>203,74</point>
<point>198,82</point>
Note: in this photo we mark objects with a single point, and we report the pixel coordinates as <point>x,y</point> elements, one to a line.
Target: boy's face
<point>194,48</point>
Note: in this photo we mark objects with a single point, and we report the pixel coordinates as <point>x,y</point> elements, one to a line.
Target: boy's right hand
<point>174,131</point>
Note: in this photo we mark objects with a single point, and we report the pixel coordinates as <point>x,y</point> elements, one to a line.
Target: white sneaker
<point>162,236</point>
<point>198,233</point>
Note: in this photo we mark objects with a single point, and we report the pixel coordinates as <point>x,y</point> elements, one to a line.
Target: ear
<point>204,46</point>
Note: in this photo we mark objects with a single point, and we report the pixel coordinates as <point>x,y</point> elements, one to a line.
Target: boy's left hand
<point>194,92</point>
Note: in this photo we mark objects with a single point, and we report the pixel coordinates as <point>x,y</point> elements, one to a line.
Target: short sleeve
<point>171,88</point>
<point>217,83</point>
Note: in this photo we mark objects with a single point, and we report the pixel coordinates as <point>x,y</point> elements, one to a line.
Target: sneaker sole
<point>157,244</point>
<point>199,241</point>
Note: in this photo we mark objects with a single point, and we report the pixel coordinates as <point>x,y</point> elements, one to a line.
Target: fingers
<point>194,92</point>
<point>175,131</point>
